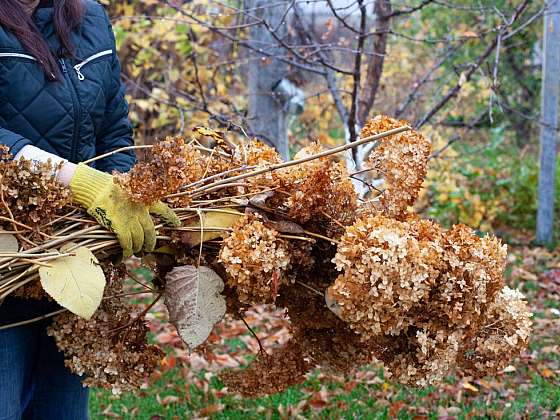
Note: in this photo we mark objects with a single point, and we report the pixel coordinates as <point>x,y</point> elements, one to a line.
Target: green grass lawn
<point>168,399</point>
<point>530,389</point>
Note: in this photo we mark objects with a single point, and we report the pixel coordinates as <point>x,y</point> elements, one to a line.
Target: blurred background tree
<point>294,71</point>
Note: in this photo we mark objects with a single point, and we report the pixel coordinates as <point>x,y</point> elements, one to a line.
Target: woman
<point>61,99</point>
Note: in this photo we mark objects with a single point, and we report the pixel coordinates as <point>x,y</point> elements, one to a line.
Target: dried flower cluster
<point>170,166</point>
<point>505,332</point>
<point>270,374</point>
<point>420,298</point>
<point>110,350</point>
<point>255,258</point>
<point>401,161</point>
<point>417,293</point>
<point>318,192</point>
<point>255,153</point>
<point>29,194</point>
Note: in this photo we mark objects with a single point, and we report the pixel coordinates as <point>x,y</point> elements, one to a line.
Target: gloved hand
<point>114,210</point>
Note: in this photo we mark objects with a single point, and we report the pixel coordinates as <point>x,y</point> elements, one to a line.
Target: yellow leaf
<point>470,387</point>
<point>210,225</point>
<point>208,132</point>
<point>76,282</point>
<point>470,34</point>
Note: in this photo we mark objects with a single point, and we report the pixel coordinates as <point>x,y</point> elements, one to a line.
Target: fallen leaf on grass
<point>170,399</point>
<point>470,387</point>
<point>319,399</point>
<point>211,409</point>
<point>523,274</point>
<point>396,408</point>
<point>509,369</point>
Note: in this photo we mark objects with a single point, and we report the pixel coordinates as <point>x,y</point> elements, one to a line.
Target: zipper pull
<point>63,65</point>
<point>79,73</point>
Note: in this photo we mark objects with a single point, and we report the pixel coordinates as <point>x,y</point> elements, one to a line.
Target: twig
<point>140,282</point>
<point>32,320</point>
<point>325,153</point>
<point>261,348</point>
<point>137,318</point>
<point>310,288</point>
<point>119,150</point>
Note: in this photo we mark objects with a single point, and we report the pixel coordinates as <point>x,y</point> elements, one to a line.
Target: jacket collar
<point>45,3</point>
<point>44,19</point>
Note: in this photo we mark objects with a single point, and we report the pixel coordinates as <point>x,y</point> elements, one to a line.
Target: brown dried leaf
<point>284,226</point>
<point>194,302</point>
<point>259,200</point>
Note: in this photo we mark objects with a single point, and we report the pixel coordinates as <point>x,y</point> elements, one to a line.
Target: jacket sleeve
<point>13,141</point>
<point>116,131</point>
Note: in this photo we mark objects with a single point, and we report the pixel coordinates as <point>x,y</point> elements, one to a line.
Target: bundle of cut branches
<point>361,279</point>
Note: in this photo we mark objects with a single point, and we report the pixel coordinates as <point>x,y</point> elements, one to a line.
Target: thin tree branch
<point>382,10</point>
<point>409,10</point>
<point>473,68</point>
<point>357,76</point>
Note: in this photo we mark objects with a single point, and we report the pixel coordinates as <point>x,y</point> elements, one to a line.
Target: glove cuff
<point>87,183</point>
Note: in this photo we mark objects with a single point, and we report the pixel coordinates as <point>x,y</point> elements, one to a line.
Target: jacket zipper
<point>78,67</point>
<point>75,107</point>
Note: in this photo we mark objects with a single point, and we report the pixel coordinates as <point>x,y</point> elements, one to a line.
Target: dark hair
<point>67,16</point>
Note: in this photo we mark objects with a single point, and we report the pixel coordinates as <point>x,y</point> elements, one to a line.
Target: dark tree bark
<point>382,12</point>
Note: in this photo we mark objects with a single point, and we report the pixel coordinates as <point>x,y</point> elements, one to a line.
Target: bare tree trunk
<point>267,114</point>
<point>381,12</point>
<point>549,122</point>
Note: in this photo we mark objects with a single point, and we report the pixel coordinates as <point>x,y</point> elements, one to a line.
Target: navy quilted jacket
<point>81,116</point>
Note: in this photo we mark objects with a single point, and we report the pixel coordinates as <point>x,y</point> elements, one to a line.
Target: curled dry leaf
<point>8,243</point>
<point>76,282</point>
<point>211,225</point>
<point>194,301</point>
<point>282,226</point>
<point>259,200</point>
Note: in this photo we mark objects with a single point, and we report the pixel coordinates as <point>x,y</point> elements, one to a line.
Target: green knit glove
<point>114,210</point>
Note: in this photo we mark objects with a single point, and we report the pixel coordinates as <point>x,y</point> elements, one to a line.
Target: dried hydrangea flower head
<point>31,194</point>
<point>256,153</point>
<point>472,279</point>
<point>505,332</point>
<point>401,161</point>
<point>418,294</point>
<point>256,259</point>
<point>388,271</point>
<point>170,165</point>
<point>418,357</point>
<point>318,193</point>
<point>106,354</point>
